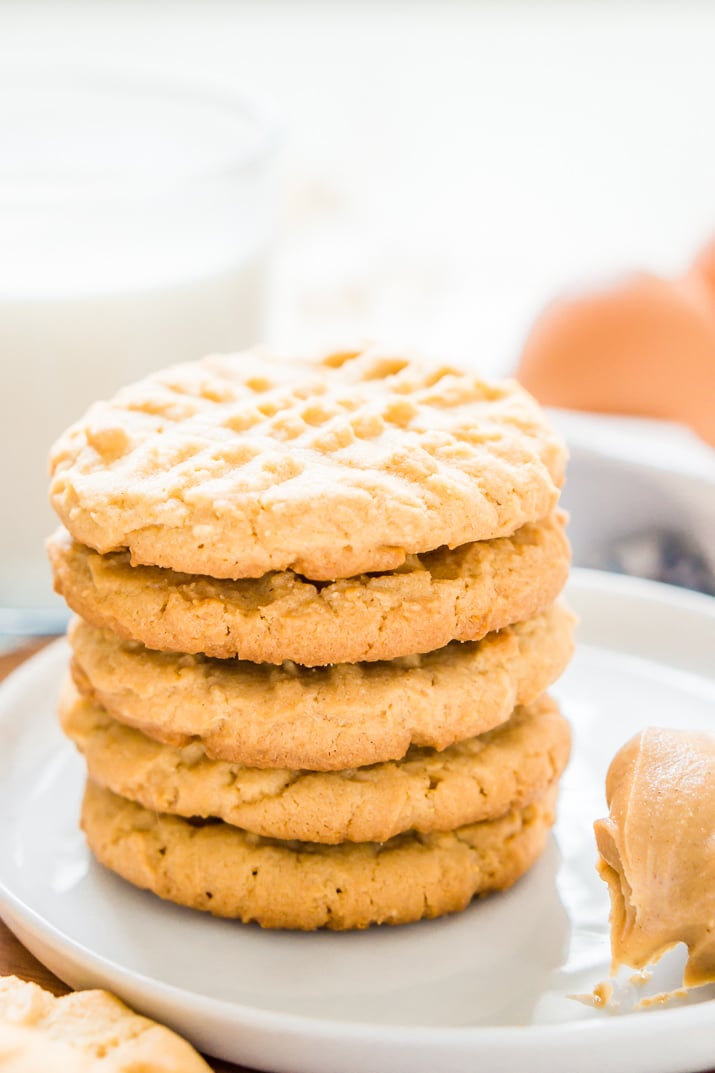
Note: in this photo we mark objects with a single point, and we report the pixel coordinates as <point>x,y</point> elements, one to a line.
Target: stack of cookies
<point>318,615</point>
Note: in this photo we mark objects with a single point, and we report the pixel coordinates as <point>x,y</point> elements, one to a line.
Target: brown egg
<point>646,347</point>
<point>704,266</point>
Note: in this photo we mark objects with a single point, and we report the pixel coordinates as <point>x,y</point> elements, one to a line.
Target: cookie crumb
<point>600,998</point>
<point>661,998</point>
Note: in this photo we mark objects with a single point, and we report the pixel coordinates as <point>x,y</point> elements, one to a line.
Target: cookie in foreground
<point>84,1032</point>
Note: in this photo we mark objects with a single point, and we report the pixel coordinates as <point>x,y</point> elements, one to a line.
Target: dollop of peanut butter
<point>657,850</point>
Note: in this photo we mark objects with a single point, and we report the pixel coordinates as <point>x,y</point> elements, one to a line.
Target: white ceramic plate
<point>484,990</point>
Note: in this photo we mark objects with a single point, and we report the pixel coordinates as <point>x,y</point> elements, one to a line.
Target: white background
<point>448,166</point>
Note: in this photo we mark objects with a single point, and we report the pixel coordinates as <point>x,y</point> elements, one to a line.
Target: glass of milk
<point>135,223</point>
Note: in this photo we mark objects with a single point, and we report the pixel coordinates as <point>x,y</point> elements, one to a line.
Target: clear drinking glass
<point>135,228</point>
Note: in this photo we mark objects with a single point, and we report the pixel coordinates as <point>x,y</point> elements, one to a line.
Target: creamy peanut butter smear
<point>657,850</point>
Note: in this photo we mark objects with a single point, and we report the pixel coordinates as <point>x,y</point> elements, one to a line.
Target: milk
<point>59,354</point>
<point>130,239</point>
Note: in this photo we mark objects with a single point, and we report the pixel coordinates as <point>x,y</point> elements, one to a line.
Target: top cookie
<point>238,465</point>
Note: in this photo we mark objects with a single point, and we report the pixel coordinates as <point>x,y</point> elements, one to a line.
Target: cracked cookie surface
<point>479,779</point>
<point>84,1032</point>
<point>324,718</point>
<point>302,885</point>
<point>239,465</point>
<point>433,599</point>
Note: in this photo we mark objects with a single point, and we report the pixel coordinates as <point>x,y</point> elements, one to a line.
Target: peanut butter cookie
<point>239,465</point>
<point>84,1032</point>
<point>303,885</point>
<point>474,780</point>
<point>323,718</point>
<point>431,600</point>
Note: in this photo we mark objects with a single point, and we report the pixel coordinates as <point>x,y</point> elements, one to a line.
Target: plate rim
<point>505,1037</point>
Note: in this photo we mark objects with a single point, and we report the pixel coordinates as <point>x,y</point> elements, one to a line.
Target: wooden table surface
<point>14,958</point>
